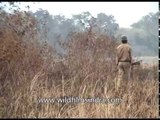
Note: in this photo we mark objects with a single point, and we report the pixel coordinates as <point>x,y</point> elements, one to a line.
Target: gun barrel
<point>137,62</point>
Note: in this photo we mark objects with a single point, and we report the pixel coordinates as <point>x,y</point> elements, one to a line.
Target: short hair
<point>124,39</point>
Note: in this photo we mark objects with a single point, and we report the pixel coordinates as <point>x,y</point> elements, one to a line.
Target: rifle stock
<point>136,63</point>
<point>132,64</point>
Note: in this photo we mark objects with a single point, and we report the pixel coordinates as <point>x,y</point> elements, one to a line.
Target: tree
<point>54,28</point>
<point>149,25</point>
<point>81,21</point>
<point>106,24</point>
<point>102,24</point>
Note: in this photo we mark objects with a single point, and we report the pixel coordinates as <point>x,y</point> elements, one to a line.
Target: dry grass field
<point>32,76</point>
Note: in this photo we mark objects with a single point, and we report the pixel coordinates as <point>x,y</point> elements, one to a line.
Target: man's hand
<point>117,61</point>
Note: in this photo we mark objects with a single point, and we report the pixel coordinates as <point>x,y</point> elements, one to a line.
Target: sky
<point>125,13</point>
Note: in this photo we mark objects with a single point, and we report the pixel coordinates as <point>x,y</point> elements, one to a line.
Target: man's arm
<point>116,57</point>
<point>131,68</point>
<point>130,54</point>
<point>116,60</point>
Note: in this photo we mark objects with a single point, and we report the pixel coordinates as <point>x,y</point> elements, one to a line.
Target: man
<point>123,61</point>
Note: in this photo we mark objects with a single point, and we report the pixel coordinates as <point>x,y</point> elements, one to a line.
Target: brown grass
<point>30,71</point>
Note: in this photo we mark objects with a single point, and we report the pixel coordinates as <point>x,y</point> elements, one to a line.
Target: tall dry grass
<point>30,71</point>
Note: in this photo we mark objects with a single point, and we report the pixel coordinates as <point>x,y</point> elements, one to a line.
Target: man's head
<point>124,39</point>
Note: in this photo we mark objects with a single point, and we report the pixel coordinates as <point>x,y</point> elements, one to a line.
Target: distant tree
<point>103,24</point>
<point>149,25</point>
<point>81,21</point>
<point>106,24</point>
<point>55,28</point>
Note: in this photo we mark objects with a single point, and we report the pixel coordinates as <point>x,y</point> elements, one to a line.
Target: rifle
<point>132,64</point>
<point>136,62</point>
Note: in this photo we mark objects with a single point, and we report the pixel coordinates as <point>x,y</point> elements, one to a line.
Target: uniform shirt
<point>124,53</point>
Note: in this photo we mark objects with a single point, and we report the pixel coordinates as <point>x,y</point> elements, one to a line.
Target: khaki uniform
<point>124,64</point>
